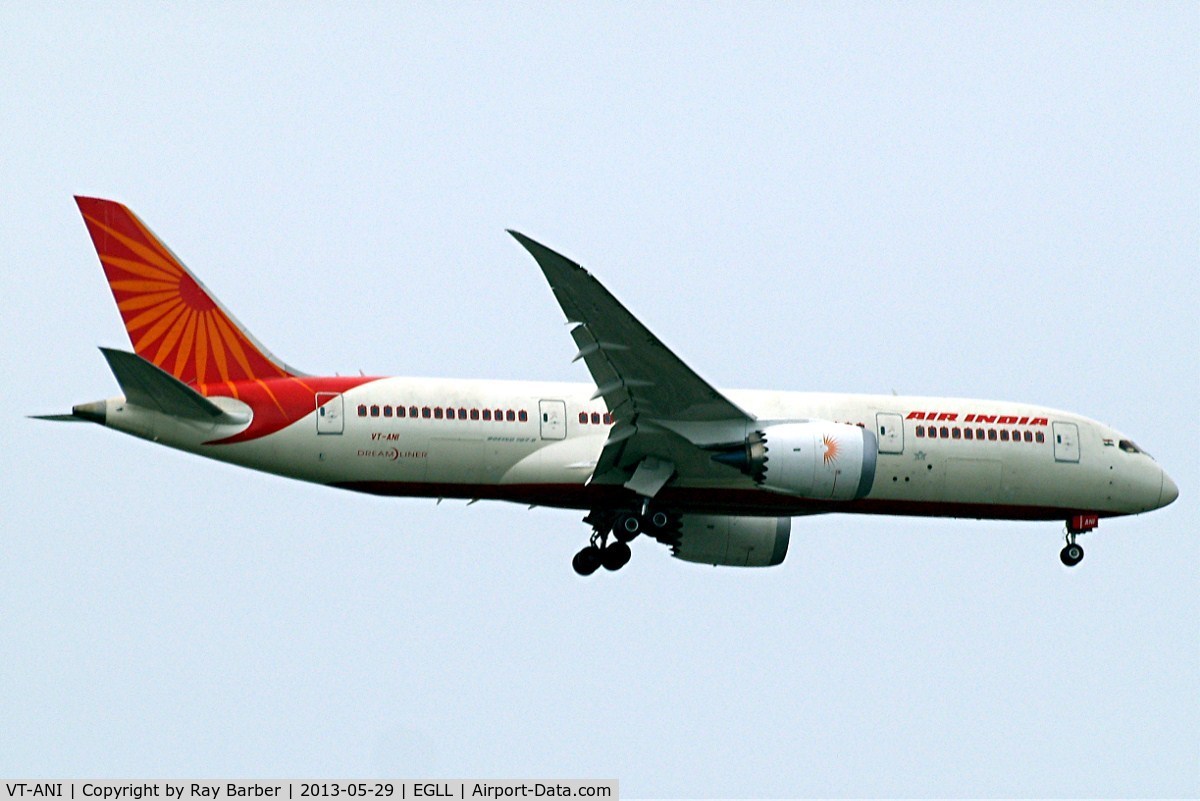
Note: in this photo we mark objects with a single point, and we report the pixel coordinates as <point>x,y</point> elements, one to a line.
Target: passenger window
<point>1028,436</point>
<point>968,433</point>
<point>1004,435</point>
<point>596,418</point>
<point>979,433</point>
<point>399,411</point>
<point>945,432</point>
<point>933,432</point>
<point>921,431</point>
<point>583,418</point>
<point>425,412</point>
<point>437,412</point>
<point>474,414</point>
<point>992,434</point>
<point>523,416</point>
<point>462,414</point>
<point>374,411</point>
<point>499,415</point>
<point>487,414</point>
<point>362,410</point>
<point>956,432</point>
<point>387,411</point>
<point>1040,437</point>
<point>510,415</point>
<point>608,419</point>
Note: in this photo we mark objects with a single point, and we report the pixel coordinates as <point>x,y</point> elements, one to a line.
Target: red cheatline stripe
<point>138,268</point>
<point>141,249</point>
<point>171,339</point>
<point>185,347</point>
<point>151,336</point>
<point>201,350</point>
<point>235,347</point>
<point>216,347</point>
<point>271,395</point>
<point>150,315</point>
<point>135,302</point>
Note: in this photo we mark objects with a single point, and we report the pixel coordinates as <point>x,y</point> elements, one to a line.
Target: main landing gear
<point>1072,552</point>
<point>600,553</point>
<point>622,527</point>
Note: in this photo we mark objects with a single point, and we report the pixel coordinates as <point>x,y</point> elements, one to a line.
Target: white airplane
<point>651,447</point>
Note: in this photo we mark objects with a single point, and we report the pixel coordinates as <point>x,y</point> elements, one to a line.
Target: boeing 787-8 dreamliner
<point>649,448</point>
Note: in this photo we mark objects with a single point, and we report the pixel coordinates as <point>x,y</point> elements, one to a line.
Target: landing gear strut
<point>1072,552</point>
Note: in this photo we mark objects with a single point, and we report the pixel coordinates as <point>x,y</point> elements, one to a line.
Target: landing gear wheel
<point>1071,554</point>
<point>660,520</point>
<point>615,556</point>
<point>588,561</point>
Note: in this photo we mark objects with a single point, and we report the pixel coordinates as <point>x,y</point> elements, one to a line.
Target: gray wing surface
<point>663,408</point>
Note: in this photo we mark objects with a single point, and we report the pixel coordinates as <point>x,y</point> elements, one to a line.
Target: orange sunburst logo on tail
<point>831,449</point>
<point>171,319</point>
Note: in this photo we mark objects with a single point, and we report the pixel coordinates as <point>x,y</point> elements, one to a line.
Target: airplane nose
<point>1169,491</point>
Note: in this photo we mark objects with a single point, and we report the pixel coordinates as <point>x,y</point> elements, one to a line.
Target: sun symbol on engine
<point>831,449</point>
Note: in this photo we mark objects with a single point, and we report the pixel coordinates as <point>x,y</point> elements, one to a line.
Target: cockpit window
<point>1129,446</point>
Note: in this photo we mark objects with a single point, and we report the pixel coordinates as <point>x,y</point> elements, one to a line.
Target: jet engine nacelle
<point>814,459</point>
<point>733,541</point>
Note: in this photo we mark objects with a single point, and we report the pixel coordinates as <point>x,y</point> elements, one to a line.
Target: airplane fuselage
<point>538,443</point>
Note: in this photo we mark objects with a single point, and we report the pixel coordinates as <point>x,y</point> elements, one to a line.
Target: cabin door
<point>1066,442</point>
<point>890,427</point>
<point>553,419</point>
<point>329,413</point>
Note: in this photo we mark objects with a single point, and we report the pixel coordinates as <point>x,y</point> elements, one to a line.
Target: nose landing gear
<point>1072,553</point>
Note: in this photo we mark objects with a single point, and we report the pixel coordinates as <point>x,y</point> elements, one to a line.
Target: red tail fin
<point>172,319</point>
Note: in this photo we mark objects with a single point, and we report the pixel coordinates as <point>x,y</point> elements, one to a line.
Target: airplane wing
<point>665,412</point>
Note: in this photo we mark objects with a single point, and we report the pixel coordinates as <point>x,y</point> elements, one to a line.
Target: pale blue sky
<point>965,199</point>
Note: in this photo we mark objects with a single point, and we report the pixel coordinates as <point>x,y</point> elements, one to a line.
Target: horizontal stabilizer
<point>151,387</point>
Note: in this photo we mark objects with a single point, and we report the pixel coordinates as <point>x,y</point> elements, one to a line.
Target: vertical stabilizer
<point>173,321</point>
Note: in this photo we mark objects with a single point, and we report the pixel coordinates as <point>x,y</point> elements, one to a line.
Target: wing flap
<point>665,413</point>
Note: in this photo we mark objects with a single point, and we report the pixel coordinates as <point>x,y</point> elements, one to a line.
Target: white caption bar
<point>223,790</point>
